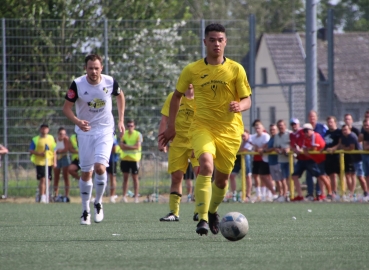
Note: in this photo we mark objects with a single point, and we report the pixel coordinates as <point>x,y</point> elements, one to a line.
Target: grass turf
<point>330,236</point>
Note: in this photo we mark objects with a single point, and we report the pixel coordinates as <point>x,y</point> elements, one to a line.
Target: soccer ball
<point>234,226</point>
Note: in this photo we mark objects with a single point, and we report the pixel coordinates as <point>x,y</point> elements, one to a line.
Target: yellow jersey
<point>215,86</point>
<point>183,120</point>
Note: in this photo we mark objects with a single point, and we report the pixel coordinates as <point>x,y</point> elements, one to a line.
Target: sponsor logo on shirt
<point>96,103</point>
<point>204,76</point>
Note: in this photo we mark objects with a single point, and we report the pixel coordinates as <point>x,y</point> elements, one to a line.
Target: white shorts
<point>94,149</point>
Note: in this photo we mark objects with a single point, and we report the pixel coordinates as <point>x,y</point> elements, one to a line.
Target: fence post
<point>5,123</point>
<point>342,175</point>
<point>292,186</point>
<point>243,177</point>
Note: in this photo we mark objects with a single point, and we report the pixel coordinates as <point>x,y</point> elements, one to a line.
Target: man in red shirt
<point>311,141</point>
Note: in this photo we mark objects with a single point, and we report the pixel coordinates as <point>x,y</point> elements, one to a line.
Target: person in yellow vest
<point>42,148</point>
<point>74,167</point>
<point>130,155</point>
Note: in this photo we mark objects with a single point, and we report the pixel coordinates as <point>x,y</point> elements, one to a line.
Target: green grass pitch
<point>323,236</point>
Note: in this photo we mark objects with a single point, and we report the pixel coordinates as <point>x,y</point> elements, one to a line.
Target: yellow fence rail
<point>291,165</point>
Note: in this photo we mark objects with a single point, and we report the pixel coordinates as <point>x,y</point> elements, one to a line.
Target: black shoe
<point>170,217</point>
<point>214,222</point>
<point>202,227</point>
<point>196,217</point>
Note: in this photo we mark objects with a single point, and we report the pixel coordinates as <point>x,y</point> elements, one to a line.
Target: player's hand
<point>84,125</point>
<point>121,128</point>
<point>167,136</point>
<point>234,106</point>
<point>162,148</point>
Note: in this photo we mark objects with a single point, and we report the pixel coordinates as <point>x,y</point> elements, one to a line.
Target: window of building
<point>272,115</point>
<point>264,76</point>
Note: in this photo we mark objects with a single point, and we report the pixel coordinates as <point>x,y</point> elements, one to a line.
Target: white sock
<point>85,189</point>
<point>258,192</point>
<point>263,192</point>
<point>100,185</point>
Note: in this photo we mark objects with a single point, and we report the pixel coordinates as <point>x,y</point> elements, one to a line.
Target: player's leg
<point>86,158</point>
<point>73,169</point>
<point>125,168</point>
<point>299,168</point>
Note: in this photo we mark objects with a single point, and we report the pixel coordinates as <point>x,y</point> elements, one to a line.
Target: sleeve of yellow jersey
<point>242,85</point>
<point>184,80</point>
<point>165,108</point>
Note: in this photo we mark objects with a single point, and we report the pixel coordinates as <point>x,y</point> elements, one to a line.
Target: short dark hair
<point>214,27</point>
<point>130,121</point>
<point>256,121</point>
<point>93,57</point>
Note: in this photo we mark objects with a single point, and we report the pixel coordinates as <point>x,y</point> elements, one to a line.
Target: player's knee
<point>99,168</point>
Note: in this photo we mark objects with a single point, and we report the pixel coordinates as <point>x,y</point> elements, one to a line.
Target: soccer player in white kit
<point>92,95</point>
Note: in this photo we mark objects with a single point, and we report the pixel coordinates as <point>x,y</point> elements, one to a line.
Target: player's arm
<point>241,106</point>
<point>170,132</point>
<point>121,104</point>
<point>162,126</point>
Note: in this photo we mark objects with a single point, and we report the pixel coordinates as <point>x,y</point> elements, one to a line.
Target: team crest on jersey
<point>105,90</point>
<point>96,103</point>
<point>71,94</point>
<point>214,88</point>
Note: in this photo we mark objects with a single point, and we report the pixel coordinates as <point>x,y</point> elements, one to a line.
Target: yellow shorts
<point>178,159</point>
<point>222,146</point>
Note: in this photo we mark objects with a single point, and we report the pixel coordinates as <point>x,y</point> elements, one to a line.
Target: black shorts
<point>260,167</point>
<point>332,164</point>
<point>112,169</point>
<point>129,166</point>
<point>40,172</point>
<point>189,173</point>
<point>76,162</point>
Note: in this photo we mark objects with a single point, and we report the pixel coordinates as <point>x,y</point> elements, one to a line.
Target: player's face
<point>215,43</point>
<point>93,70</point>
<point>331,124</point>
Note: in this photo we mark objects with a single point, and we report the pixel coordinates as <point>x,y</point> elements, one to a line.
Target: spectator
<point>189,176</point>
<point>296,133</point>
<point>74,167</point>
<point>349,141</point>
<point>359,164</point>
<point>3,151</point>
<point>245,146</point>
<point>320,129</point>
<point>310,141</point>
<point>62,163</point>
<point>282,147</point>
<point>274,167</point>
<point>365,157</point>
<point>42,148</point>
<point>112,169</point>
<point>130,143</point>
<point>332,162</point>
<point>260,166</point>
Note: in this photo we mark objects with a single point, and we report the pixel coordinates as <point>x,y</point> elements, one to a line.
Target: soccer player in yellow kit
<point>180,149</point>
<point>221,93</point>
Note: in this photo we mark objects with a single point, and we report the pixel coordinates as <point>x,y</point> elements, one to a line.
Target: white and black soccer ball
<point>234,226</point>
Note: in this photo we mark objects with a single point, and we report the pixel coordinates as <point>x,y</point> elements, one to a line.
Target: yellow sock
<point>217,197</point>
<point>174,201</point>
<point>203,195</point>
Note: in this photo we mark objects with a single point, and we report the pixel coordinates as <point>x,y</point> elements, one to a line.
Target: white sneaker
<point>124,199</point>
<point>281,199</point>
<point>113,198</point>
<point>43,199</point>
<point>85,218</point>
<point>136,200</point>
<point>99,213</point>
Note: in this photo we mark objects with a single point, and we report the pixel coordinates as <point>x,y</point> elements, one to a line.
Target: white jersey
<point>260,141</point>
<point>94,103</point>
